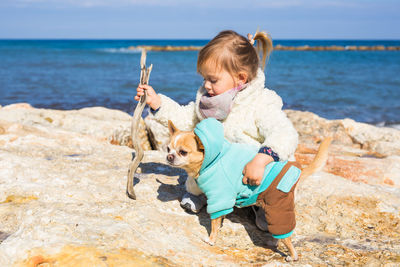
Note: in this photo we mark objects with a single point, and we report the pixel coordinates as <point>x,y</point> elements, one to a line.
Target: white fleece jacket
<point>256,118</point>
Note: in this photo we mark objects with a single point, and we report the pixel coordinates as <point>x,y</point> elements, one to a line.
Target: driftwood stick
<point>137,114</point>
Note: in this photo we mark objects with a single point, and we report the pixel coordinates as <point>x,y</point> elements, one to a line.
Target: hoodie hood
<point>211,133</point>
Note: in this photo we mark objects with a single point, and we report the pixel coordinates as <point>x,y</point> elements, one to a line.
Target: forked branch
<point>137,114</point>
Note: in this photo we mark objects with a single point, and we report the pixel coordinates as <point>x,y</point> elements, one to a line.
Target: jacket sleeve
<point>275,127</point>
<point>183,116</point>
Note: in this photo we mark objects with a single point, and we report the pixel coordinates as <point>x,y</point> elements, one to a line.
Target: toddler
<point>233,92</point>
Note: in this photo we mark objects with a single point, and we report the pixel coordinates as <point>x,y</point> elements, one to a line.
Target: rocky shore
<point>277,47</point>
<point>63,201</point>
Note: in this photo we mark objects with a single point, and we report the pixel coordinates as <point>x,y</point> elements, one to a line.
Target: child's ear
<point>242,77</point>
<point>199,143</point>
<point>171,127</point>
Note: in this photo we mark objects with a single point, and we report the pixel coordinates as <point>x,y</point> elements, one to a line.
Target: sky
<point>200,19</point>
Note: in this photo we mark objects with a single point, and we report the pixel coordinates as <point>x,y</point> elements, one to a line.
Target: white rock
<point>62,199</point>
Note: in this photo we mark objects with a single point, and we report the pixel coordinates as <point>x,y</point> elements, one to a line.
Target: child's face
<point>216,80</point>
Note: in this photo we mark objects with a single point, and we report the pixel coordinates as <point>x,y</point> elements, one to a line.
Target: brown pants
<point>278,205</point>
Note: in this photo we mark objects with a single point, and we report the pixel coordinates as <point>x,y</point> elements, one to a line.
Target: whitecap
<point>122,50</point>
<point>395,126</point>
<point>389,125</point>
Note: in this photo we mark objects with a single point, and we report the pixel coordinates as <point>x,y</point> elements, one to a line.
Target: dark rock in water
<point>277,47</point>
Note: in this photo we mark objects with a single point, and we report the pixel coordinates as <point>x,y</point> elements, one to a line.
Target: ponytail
<point>264,44</point>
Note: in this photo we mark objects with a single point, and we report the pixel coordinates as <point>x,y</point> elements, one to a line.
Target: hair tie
<point>251,38</point>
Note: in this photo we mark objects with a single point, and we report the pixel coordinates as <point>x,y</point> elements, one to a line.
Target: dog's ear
<point>199,143</point>
<point>171,127</point>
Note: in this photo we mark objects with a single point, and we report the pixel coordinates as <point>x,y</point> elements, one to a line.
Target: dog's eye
<point>168,150</point>
<point>183,152</point>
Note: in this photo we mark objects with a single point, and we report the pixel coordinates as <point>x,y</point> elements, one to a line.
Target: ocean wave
<point>395,126</point>
<point>122,50</point>
<point>389,125</point>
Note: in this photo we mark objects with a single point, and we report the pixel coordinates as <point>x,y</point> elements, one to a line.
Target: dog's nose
<point>170,157</point>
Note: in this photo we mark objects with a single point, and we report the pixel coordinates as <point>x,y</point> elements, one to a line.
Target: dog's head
<point>185,150</point>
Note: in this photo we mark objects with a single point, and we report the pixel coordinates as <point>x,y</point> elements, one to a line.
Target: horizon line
<point>182,39</point>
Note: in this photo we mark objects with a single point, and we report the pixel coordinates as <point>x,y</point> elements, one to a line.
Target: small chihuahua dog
<point>197,153</point>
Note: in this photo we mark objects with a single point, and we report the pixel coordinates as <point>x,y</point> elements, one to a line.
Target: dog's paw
<point>290,258</point>
<point>208,241</point>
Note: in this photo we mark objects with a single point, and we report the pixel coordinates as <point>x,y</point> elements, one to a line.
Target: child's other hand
<point>253,172</point>
<point>153,99</point>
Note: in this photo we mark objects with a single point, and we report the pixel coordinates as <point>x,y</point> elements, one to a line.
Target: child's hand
<point>253,172</point>
<point>153,99</point>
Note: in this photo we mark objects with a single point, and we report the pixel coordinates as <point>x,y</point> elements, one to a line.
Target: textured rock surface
<point>381,141</point>
<point>98,122</point>
<point>63,201</point>
<point>360,152</point>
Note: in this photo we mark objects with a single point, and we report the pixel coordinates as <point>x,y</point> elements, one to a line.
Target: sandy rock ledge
<point>63,201</point>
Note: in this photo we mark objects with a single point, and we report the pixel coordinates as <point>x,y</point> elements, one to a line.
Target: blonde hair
<point>235,53</point>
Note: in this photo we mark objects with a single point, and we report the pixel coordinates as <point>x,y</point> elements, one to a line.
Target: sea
<point>72,74</point>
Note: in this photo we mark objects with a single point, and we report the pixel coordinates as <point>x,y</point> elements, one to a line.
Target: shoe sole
<point>188,208</point>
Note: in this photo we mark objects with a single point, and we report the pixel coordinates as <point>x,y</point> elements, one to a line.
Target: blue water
<point>71,74</point>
